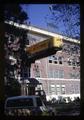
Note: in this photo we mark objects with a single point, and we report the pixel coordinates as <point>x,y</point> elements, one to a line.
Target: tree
<point>12,88</point>
<point>14,12</point>
<point>65,19</point>
<point>15,40</point>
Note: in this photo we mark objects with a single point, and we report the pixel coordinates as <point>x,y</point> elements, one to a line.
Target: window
<point>60,60</point>
<point>55,62</point>
<point>56,74</point>
<point>74,75</point>
<point>52,89</point>
<point>55,59</point>
<point>58,89</point>
<point>20,102</point>
<point>37,74</point>
<point>77,89</point>
<point>71,75</point>
<point>50,74</point>
<point>61,74</point>
<point>78,75</point>
<point>69,62</point>
<point>37,71</point>
<point>50,59</point>
<point>63,89</point>
<point>78,63</point>
<point>74,62</point>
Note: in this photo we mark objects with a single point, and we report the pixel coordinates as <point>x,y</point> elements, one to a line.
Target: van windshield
<point>20,102</point>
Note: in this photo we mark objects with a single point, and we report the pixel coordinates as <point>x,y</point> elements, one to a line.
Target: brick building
<point>60,73</point>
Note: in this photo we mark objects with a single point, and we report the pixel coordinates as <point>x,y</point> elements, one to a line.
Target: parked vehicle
<point>25,105</point>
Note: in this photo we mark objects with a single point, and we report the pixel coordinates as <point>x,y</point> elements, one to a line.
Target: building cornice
<point>37,30</point>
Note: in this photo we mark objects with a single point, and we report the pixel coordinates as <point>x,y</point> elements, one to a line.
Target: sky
<point>37,14</point>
